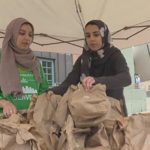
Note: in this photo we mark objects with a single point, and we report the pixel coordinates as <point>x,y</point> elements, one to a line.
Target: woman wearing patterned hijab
<point>20,72</point>
<point>100,62</point>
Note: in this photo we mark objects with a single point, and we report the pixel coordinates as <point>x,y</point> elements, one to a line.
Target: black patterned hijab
<point>104,32</point>
<point>87,54</point>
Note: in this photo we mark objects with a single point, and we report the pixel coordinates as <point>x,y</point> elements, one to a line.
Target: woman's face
<point>93,37</point>
<point>25,37</point>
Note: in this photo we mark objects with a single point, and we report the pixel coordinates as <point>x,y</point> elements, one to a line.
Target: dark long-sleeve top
<point>112,70</point>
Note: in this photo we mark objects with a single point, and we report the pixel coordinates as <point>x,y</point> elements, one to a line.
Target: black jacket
<point>111,70</point>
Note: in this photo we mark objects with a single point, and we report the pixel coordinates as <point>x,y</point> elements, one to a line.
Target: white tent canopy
<point>56,21</point>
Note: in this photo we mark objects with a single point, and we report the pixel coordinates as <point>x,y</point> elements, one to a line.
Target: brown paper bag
<point>16,136</point>
<point>40,114</point>
<point>89,108</point>
<point>137,132</point>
